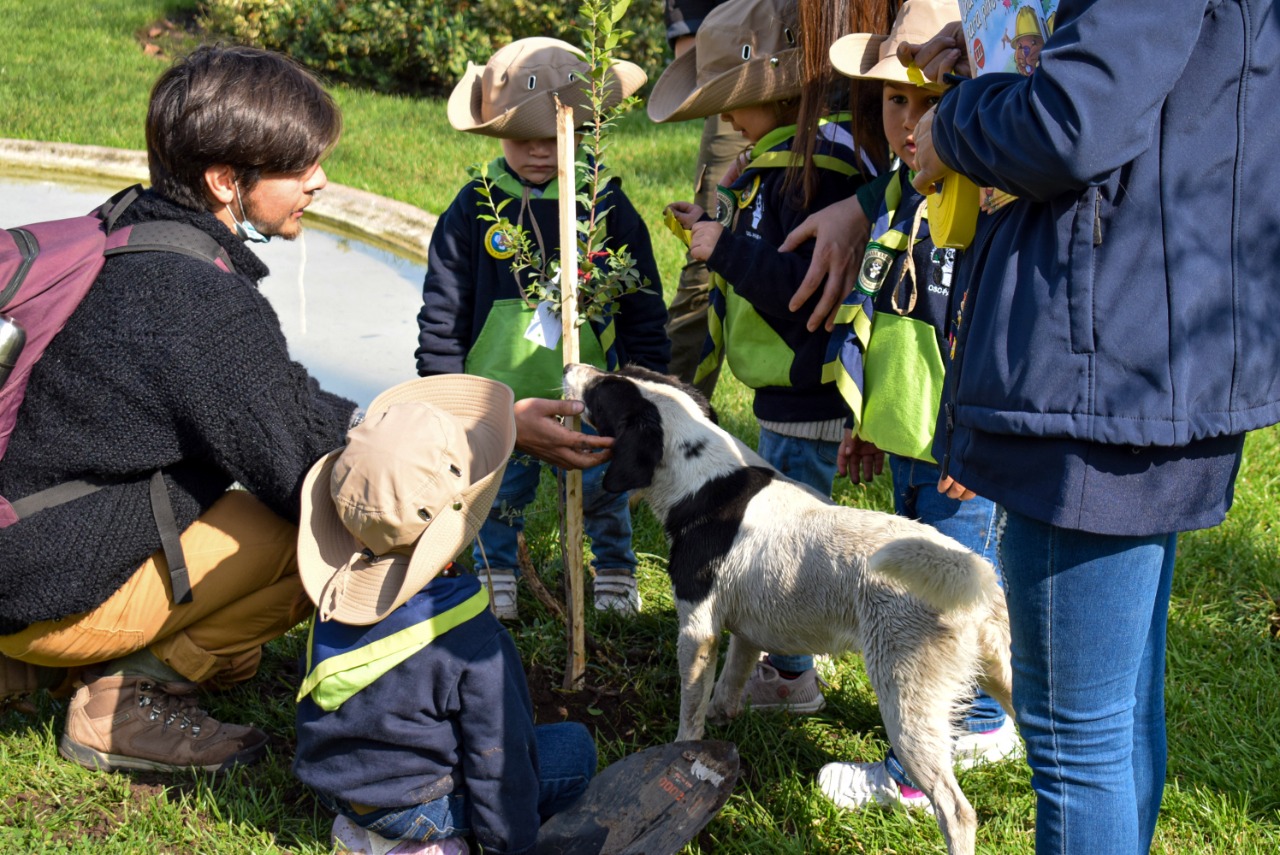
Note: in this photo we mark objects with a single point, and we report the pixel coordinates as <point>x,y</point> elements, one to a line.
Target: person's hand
<point>735,169</point>
<point>953,489</point>
<point>858,459</point>
<point>703,238</point>
<point>840,234</point>
<point>687,213</point>
<point>945,53</point>
<point>683,44</point>
<point>539,432</point>
<point>929,167</point>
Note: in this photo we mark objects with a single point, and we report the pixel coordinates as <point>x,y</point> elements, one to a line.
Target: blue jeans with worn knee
<point>566,764</point>
<point>811,462</point>
<point>974,524</point>
<point>1088,616</point>
<point>606,517</point>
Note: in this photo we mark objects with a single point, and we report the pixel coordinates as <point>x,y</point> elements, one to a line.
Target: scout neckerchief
<point>343,659</point>
<point>851,333</point>
<point>772,151</point>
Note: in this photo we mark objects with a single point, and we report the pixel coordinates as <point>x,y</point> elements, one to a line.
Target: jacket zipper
<point>961,333</point>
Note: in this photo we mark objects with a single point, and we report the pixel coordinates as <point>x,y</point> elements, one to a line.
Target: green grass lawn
<point>74,72</point>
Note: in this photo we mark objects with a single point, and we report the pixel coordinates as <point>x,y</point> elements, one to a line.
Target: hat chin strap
<point>336,588</point>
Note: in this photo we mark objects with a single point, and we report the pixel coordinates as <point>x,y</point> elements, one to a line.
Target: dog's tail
<point>945,575</point>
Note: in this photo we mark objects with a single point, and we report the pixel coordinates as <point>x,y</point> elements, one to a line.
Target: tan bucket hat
<point>745,52</point>
<point>384,514</point>
<point>873,57</point>
<point>512,95</point>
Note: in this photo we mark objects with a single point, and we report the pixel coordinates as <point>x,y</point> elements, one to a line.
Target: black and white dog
<point>787,571</point>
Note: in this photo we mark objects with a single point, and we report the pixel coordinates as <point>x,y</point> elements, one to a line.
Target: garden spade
<point>649,803</point>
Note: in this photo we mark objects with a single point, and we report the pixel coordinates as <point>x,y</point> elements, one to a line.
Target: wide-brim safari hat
<point>874,57</point>
<point>513,95</point>
<point>384,514</point>
<point>745,52</point>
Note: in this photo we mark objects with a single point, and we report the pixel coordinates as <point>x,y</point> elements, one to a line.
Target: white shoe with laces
<point>974,749</point>
<point>502,592</point>
<point>853,786</point>
<point>615,591</point>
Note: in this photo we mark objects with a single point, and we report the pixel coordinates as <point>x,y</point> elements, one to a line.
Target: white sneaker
<point>615,591</point>
<point>974,749</point>
<point>502,592</point>
<point>351,839</point>
<point>853,786</point>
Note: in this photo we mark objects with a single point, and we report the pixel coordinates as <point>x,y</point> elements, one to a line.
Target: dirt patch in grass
<point>607,711</point>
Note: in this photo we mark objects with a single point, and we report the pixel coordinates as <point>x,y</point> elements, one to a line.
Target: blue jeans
<point>811,462</point>
<point>566,764</point>
<point>973,524</point>
<point>606,517</point>
<point>1088,615</point>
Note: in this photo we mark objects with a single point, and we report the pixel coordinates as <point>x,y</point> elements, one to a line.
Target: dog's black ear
<point>621,411</point>
<point>692,391</point>
<point>637,451</point>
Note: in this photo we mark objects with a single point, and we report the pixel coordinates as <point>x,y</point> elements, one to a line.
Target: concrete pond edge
<point>398,225</point>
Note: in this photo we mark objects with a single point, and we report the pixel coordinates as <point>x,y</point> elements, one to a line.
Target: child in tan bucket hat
<point>745,65</point>
<point>476,309</point>
<point>414,721</point>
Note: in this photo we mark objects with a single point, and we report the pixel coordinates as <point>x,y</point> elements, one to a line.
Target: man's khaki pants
<point>242,562</point>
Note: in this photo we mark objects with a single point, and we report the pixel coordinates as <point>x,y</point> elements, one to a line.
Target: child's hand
<point>687,213</point>
<point>953,489</point>
<point>858,459</point>
<point>704,235</point>
<point>735,169</point>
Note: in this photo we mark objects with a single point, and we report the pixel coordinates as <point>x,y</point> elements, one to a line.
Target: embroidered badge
<point>498,243</point>
<point>748,196</point>
<point>875,267</point>
<point>726,207</point>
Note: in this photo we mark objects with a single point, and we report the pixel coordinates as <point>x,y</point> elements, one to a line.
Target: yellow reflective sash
<point>335,680</point>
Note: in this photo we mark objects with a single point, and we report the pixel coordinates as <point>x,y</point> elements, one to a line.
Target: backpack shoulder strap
<point>169,236</point>
<point>158,235</point>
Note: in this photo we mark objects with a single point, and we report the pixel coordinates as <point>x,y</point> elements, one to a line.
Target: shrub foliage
<point>416,46</point>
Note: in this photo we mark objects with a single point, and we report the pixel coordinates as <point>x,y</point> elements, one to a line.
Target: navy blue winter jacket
<point>1129,296</point>
<point>454,716</point>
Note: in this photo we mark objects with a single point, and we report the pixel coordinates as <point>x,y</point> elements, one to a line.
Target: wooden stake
<point>567,178</point>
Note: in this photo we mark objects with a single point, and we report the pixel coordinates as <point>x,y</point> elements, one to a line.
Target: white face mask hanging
<point>246,230</point>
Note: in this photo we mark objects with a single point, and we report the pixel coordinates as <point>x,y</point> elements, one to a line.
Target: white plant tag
<point>545,328</point>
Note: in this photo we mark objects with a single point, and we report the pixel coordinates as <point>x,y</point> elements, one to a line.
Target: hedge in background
<point>416,46</point>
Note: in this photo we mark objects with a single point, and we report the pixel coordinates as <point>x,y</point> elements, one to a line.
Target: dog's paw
<point>722,713</point>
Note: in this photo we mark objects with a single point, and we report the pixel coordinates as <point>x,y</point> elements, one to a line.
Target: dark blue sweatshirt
<point>457,714</point>
<point>1117,317</point>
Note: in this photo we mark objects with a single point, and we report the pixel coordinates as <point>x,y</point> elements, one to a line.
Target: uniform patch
<point>498,243</point>
<point>726,207</point>
<point>875,268</point>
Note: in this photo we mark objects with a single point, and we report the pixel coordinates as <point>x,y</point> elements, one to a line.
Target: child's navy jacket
<point>455,714</point>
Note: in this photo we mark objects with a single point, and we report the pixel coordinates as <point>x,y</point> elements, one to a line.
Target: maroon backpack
<point>45,271</point>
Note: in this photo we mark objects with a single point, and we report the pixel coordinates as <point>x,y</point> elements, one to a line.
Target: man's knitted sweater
<point>172,363</point>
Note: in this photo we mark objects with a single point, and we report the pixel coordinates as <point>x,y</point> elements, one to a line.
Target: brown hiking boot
<point>127,722</point>
<point>20,678</point>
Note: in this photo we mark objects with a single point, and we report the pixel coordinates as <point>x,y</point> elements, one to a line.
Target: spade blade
<point>652,802</point>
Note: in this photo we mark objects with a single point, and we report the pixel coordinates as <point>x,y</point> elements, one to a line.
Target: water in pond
<point>348,309</point>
